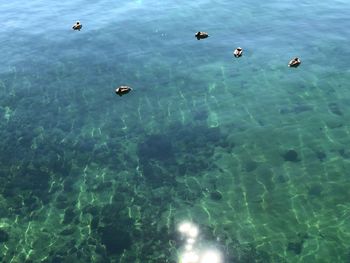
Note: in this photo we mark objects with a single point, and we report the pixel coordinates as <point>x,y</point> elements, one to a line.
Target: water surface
<point>252,152</point>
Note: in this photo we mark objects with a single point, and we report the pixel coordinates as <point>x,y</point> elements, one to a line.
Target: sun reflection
<point>194,252</point>
<point>184,227</point>
<point>211,257</point>
<point>189,247</point>
<point>189,257</point>
<point>191,241</point>
<point>193,232</point>
<point>188,229</point>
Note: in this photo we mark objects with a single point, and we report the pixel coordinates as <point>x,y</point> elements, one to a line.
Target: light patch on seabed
<point>213,120</point>
<point>8,113</point>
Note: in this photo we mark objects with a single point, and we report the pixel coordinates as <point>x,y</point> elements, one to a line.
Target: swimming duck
<point>295,62</point>
<point>77,26</point>
<point>122,90</point>
<point>201,35</point>
<point>238,52</point>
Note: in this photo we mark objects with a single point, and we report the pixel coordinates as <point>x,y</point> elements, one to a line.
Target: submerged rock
<point>291,156</point>
<point>334,108</point>
<point>157,147</point>
<point>69,215</point>
<point>344,153</point>
<point>4,236</point>
<point>216,195</point>
<point>250,166</point>
<point>334,124</point>
<point>321,156</point>
<point>295,247</point>
<point>115,239</point>
<point>315,190</point>
<point>200,115</point>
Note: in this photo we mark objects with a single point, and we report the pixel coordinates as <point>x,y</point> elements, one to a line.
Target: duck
<point>201,35</point>
<point>122,90</point>
<point>295,62</point>
<point>238,52</point>
<point>77,26</point>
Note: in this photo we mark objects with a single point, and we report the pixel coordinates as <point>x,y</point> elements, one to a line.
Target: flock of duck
<point>238,52</point>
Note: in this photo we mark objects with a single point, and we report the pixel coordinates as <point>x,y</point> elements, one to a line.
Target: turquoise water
<point>254,153</point>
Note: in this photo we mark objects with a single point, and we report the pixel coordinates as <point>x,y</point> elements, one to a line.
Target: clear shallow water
<point>87,176</point>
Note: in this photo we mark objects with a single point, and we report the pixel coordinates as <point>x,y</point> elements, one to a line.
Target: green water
<point>252,152</point>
